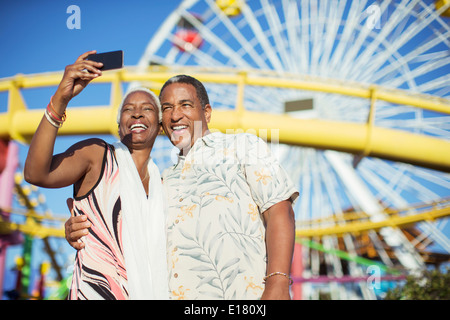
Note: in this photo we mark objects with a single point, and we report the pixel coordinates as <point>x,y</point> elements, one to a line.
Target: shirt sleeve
<point>268,181</point>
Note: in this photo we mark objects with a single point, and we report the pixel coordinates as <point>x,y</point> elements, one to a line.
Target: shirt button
<point>181,199</point>
<point>175,275</point>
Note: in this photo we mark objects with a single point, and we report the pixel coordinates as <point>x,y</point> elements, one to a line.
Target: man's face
<point>139,121</point>
<point>183,118</point>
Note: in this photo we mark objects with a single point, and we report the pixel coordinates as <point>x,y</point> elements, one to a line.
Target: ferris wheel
<point>399,46</point>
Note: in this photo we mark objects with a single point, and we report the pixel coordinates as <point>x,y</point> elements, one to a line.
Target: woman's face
<point>139,121</point>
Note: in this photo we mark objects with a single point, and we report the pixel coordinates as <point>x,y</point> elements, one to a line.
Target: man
<point>230,223</point>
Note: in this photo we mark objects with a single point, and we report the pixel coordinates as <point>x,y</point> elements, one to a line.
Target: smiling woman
<point>139,118</point>
<point>115,187</point>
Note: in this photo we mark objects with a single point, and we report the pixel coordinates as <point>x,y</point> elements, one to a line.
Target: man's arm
<point>280,237</point>
<point>76,227</point>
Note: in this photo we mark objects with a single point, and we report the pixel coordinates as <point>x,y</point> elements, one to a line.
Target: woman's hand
<point>44,169</point>
<point>76,77</point>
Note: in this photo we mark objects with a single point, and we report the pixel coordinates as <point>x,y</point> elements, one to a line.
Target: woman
<point>118,188</point>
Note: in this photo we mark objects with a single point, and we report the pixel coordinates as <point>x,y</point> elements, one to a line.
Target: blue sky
<point>35,38</point>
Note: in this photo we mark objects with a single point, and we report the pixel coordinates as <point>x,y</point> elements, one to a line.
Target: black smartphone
<point>111,60</point>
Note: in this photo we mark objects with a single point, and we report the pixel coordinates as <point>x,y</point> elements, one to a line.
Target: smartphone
<point>111,60</point>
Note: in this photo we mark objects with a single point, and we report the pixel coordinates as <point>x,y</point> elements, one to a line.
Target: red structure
<point>9,161</point>
<point>3,154</point>
<point>297,271</point>
<point>187,38</point>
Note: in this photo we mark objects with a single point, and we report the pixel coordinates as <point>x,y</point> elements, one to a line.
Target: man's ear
<point>207,110</point>
<point>161,130</point>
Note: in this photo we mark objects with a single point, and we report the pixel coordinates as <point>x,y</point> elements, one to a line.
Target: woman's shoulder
<point>91,143</point>
<point>90,148</point>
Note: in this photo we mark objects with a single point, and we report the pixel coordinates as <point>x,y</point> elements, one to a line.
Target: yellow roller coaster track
<point>363,139</point>
<point>358,222</point>
<point>47,225</point>
<point>345,224</point>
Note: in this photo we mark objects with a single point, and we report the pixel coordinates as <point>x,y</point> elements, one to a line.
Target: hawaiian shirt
<point>216,235</point>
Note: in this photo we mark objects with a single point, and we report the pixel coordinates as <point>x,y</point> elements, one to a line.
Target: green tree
<point>430,285</point>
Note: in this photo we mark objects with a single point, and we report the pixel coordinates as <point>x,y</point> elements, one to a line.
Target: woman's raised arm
<point>41,167</point>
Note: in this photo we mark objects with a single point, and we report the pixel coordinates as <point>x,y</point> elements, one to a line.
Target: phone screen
<point>111,60</point>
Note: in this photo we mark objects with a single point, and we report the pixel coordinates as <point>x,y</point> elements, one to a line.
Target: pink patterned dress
<point>99,271</point>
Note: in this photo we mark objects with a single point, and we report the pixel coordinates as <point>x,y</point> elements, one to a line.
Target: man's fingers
<point>77,245</point>
<point>77,223</point>
<point>69,202</point>
<point>76,228</point>
<point>77,235</point>
<point>81,226</point>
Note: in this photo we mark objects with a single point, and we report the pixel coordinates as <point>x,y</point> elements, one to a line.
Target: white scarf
<point>143,229</point>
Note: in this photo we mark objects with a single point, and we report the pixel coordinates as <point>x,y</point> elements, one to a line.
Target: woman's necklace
<point>146,170</point>
<point>146,175</point>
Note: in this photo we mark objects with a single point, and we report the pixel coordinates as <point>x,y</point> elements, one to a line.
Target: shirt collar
<point>207,139</point>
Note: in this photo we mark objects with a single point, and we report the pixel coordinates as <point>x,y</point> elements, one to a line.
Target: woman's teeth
<point>138,126</point>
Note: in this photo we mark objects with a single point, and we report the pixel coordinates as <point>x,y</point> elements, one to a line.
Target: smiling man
<point>186,113</point>
<point>230,226</point>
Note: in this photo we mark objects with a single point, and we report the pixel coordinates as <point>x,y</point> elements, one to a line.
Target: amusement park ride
<point>354,97</point>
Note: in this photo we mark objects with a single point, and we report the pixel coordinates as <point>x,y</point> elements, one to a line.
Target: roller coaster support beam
<point>358,227</point>
<point>33,225</point>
